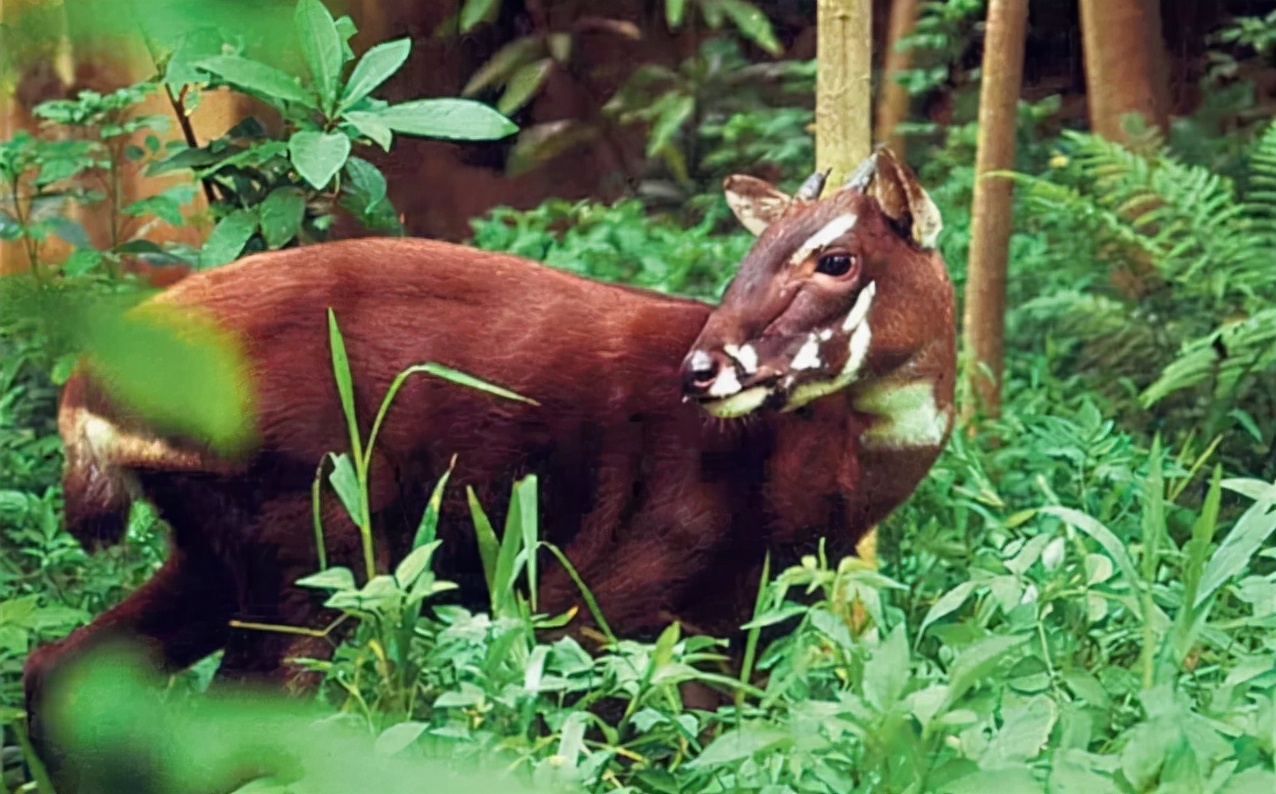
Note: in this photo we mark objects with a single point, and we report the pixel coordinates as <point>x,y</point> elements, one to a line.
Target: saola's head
<point>838,292</point>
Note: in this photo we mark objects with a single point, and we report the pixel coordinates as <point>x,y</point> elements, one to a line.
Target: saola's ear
<point>757,204</point>
<point>900,195</point>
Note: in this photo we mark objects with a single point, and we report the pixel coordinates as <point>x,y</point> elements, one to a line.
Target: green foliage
<point>621,242</point>
<point>274,189</point>
<point>1185,316</point>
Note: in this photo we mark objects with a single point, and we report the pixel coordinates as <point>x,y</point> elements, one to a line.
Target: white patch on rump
<point>907,415</point>
<point>827,234</point>
<point>108,445</point>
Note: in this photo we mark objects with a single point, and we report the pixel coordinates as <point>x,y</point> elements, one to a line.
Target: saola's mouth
<point>783,372</point>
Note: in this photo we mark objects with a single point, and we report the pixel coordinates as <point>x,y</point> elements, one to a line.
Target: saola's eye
<point>836,264</point>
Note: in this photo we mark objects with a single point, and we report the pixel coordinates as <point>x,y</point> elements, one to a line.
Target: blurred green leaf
<point>458,119</point>
<point>322,46</point>
<point>374,68</point>
<point>318,156</point>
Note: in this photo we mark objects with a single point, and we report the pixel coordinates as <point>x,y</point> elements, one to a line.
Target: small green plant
<point>273,189</point>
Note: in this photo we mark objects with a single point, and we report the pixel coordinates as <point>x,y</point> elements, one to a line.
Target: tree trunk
<point>1125,64</point>
<point>893,105</point>
<point>991,214</point>
<point>843,86</point>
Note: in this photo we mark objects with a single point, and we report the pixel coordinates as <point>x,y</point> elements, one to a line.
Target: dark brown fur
<point>665,511</point>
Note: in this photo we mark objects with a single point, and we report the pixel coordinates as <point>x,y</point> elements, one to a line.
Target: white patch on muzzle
<point>744,355</point>
<point>856,323</point>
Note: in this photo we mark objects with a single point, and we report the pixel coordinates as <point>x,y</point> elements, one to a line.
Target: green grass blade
<point>447,373</point>
<point>427,530</point>
<point>487,543</point>
<point>345,386</point>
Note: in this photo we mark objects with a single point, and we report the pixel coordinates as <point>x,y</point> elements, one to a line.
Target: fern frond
<point>1226,357</point>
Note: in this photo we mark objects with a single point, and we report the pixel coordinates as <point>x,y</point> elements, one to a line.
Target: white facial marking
<point>907,415</point>
<point>858,353</point>
<point>725,385</point>
<point>744,355</point>
<point>739,404</point>
<point>827,234</point>
<point>861,338</point>
<point>808,356</point>
<point>826,334</point>
<point>862,304</point>
<point>700,361</point>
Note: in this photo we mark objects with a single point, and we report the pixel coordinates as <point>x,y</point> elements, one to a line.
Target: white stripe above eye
<point>826,235</point>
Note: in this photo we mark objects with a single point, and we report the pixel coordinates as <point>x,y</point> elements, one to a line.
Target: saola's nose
<point>700,372</point>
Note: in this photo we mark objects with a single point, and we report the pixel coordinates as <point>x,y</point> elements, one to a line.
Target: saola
<point>675,443</point>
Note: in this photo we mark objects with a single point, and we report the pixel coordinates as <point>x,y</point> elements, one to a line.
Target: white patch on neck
<point>830,232</point>
<point>907,415</point>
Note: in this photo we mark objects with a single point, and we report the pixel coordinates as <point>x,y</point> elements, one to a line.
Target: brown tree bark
<point>1125,64</point>
<point>843,86</point>
<point>984,325</point>
<point>843,124</point>
<point>892,107</point>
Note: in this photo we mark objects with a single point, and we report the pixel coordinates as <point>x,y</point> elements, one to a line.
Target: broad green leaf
<point>752,23</point>
<point>318,156</point>
<point>740,743</point>
<point>949,602</point>
<point>976,662</point>
<point>374,68</point>
<point>1024,733</point>
<point>887,670</point>
<point>370,125</point>
<point>474,12</point>
<point>398,738</point>
<point>1237,549</point>
<point>281,215</point>
<point>228,238</point>
<point>457,119</point>
<point>321,44</point>
<point>413,565</point>
<point>523,84</point>
<point>265,81</point>
<point>336,578</point>
<point>346,484</point>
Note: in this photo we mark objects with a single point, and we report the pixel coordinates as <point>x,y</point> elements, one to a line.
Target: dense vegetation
<point>1081,596</point>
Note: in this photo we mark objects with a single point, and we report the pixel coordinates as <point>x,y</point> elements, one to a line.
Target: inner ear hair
<point>756,203</point>
<point>903,200</point>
